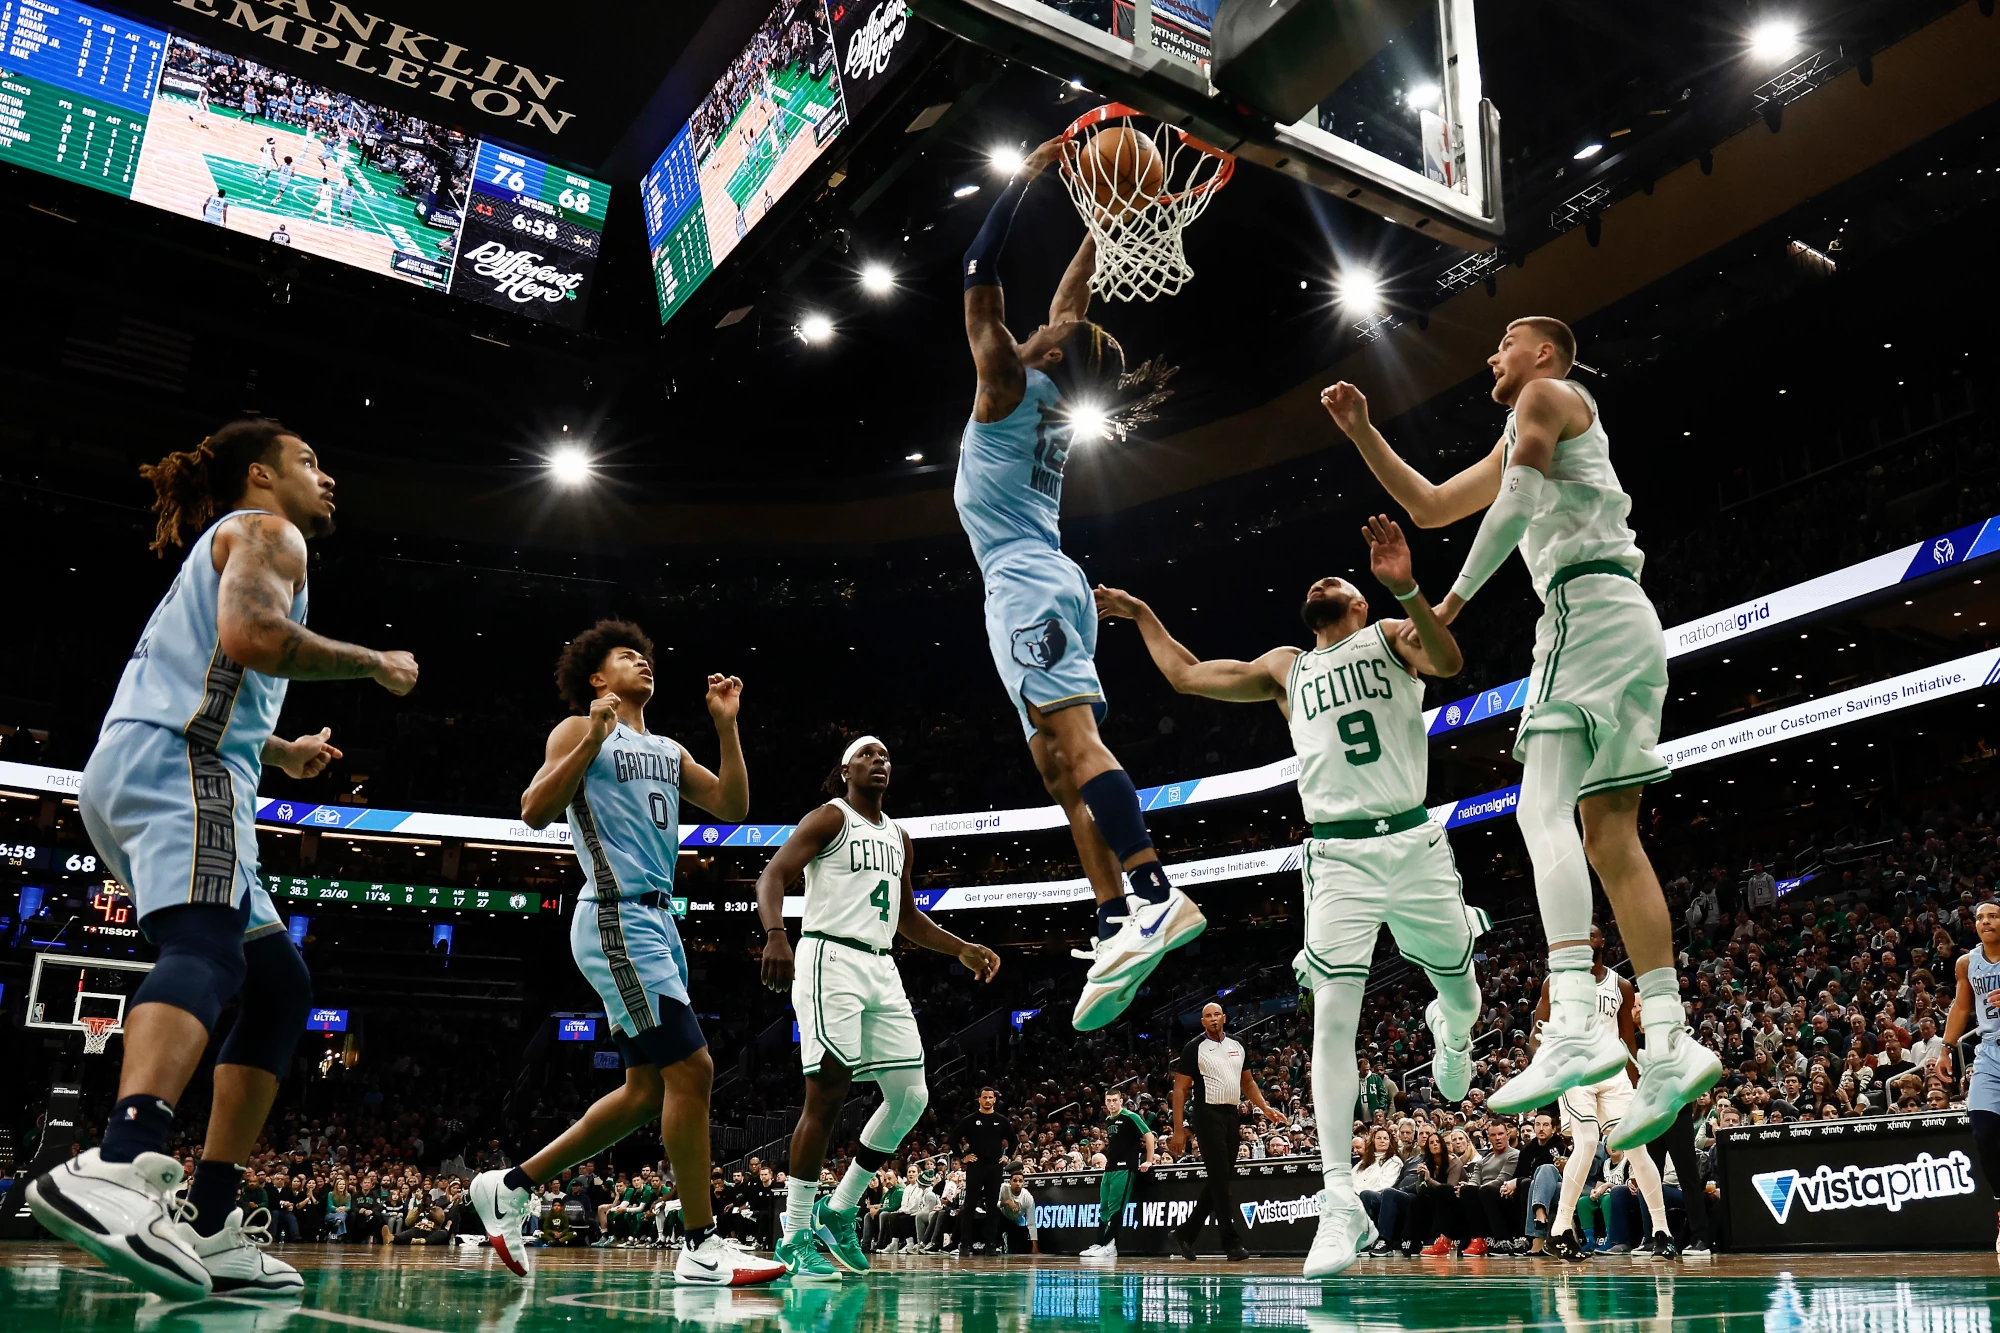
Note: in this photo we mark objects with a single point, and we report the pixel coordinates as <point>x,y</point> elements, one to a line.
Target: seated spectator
<point>1376,1177</point>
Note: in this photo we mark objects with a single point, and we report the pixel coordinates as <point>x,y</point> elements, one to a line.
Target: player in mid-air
<point>1587,736</point>
<point>169,798</point>
<point>1041,625</point>
<point>1355,705</point>
<point>855,1021</point>
<point>1975,1004</point>
<point>622,787</point>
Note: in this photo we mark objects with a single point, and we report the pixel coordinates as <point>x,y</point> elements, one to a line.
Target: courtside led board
<point>1401,127</point>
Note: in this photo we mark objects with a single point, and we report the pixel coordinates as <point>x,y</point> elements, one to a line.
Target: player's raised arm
<point>1223,678</point>
<point>724,793</point>
<point>916,926</point>
<point>1538,423</point>
<point>572,745</point>
<point>264,564</point>
<point>1429,504</point>
<point>1423,641</point>
<point>782,871</point>
<point>995,356</point>
<point>1072,298</point>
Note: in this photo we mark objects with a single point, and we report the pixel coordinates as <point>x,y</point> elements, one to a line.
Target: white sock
<point>799,1195</point>
<point>1459,1001</point>
<point>1583,1150</point>
<point>852,1186</point>
<point>1646,1174</point>
<point>1660,1000</point>
<point>1336,1081</point>
<point>1556,763</point>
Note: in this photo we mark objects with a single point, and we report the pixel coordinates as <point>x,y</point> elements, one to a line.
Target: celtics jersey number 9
<point>1357,718</point>
<point>854,889</point>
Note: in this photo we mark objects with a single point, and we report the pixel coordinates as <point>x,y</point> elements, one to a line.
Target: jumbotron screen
<point>762,125</point>
<point>93,97</point>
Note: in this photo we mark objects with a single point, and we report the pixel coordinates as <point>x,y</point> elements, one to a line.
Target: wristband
<point>1410,596</point>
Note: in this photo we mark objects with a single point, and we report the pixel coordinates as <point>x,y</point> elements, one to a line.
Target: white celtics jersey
<point>854,889</point>
<point>1582,514</point>
<point>1610,999</point>
<point>1357,718</point>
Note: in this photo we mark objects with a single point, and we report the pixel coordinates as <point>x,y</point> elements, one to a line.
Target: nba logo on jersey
<point>1041,645</point>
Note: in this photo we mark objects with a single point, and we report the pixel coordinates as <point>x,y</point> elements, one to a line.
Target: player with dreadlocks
<point>169,797</point>
<point>1041,624</point>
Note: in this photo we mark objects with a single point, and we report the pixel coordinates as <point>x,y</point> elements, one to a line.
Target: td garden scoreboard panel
<point>530,236</point>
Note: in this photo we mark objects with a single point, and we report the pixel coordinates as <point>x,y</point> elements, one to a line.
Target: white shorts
<point>1601,669</point>
<point>1602,1104</point>
<point>851,1005</point>
<point>1407,881</point>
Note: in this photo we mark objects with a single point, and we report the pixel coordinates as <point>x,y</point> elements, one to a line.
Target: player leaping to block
<point>1355,705</point>
<point>855,1022</point>
<point>1040,623</point>
<point>1587,736</point>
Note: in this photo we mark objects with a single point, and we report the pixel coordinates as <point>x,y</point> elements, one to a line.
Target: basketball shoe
<point>1451,1068</point>
<point>502,1213</point>
<point>1674,1069</point>
<point>1120,964</point>
<point>1575,1049</point>
<point>125,1213</point>
<point>235,1258</point>
<point>1345,1234</point>
<point>720,1262</point>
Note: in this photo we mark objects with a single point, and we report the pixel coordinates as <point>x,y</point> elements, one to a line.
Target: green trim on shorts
<point>917,1063</point>
<point>1631,780</point>
<point>819,1014</point>
<point>1586,567</point>
<point>1556,649</point>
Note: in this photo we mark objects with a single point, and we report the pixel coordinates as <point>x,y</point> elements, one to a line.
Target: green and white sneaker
<point>799,1253</point>
<point>836,1231</point>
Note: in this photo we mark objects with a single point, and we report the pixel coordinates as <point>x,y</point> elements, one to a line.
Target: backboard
<point>1401,127</point>
<point>65,989</point>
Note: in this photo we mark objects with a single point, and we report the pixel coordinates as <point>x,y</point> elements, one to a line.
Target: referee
<point>1214,1062</point>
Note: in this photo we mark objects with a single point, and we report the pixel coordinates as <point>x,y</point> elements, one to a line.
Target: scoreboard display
<point>138,111</point>
<point>302,889</point>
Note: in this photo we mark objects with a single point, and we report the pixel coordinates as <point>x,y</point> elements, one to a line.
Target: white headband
<point>847,755</point>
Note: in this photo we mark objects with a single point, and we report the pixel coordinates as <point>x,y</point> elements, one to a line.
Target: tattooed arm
<point>263,559</point>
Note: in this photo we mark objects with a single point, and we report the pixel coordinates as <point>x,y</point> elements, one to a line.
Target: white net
<point>96,1032</point>
<point>1137,191</point>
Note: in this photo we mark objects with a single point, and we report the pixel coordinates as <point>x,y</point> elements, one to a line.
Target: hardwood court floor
<point>46,1287</point>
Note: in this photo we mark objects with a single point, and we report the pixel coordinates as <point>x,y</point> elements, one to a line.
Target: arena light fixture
<point>913,458</point>
<point>965,191</point>
<point>1359,290</point>
<point>570,465</point>
<point>1007,159</point>
<point>815,329</point>
<point>1588,151</point>
<point>1088,422</point>
<point>878,279</point>
<point>1774,38</point>
<point>1422,97</point>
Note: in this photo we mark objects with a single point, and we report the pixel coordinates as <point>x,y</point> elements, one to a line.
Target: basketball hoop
<point>96,1032</point>
<point>1137,222</point>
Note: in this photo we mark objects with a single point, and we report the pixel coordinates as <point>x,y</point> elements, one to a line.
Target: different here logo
<point>1305,1208</point>
<point>1891,1186</point>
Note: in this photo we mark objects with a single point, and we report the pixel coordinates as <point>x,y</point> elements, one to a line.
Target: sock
<point>698,1236</point>
<point>138,1124</point>
<point>1660,1000</point>
<point>1114,804</point>
<point>519,1179</point>
<point>847,1195</point>
<point>799,1196</point>
<point>1646,1174</point>
<point>1107,909</point>
<point>214,1192</point>
<point>1583,1150</point>
<point>1336,1080</point>
<point>1546,814</point>
<point>1574,958</point>
<point>1149,881</point>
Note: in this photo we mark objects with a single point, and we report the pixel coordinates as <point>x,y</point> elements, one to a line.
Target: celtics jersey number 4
<point>854,889</point>
<point>1357,718</point>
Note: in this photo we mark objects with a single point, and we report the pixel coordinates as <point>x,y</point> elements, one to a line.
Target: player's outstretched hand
<point>1116,603</point>
<point>603,716</point>
<point>1445,611</point>
<point>1346,405</point>
<point>981,961</point>
<point>396,672</point>
<point>1038,161</point>
<point>1389,555</point>
<point>308,756</point>
<point>725,697</point>
<point>777,970</point>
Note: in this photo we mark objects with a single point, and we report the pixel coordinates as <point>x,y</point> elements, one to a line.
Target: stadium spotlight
<point>1774,38</point>
<point>1007,159</point>
<point>965,191</point>
<point>1422,97</point>
<point>1359,290</point>
<point>878,279</point>
<point>570,465</point>
<point>1588,151</point>
<point>913,458</point>
<point>1088,422</point>
<point>815,329</point>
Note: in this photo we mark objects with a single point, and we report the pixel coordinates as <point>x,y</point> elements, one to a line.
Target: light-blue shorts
<point>1041,625</point>
<point>631,954</point>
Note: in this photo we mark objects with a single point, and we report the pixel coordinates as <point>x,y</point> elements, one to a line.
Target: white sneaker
<point>1345,1233</point>
<point>1108,1250</point>
<point>1121,964</point>
<point>502,1212</point>
<point>1576,1049</point>
<point>718,1262</point>
<point>1674,1069</point>
<point>235,1258</point>
<point>1451,1067</point>
<point>125,1213</point>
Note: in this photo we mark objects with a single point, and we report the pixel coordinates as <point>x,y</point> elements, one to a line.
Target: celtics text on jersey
<point>1357,722</point>
<point>854,887</point>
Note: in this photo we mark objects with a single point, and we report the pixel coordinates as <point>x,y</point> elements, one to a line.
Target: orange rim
<point>1118,110</point>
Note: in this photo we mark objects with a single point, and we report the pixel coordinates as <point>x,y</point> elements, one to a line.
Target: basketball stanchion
<point>1137,191</point>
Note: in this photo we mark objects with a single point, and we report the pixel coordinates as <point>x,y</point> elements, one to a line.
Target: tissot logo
<point>1892,1186</point>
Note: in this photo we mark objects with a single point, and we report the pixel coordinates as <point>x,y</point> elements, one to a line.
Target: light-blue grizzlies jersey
<point>1010,473</point>
<point>1984,978</point>
<point>624,820</point>
<point>179,677</point>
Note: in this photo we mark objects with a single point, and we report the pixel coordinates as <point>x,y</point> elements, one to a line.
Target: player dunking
<point>169,797</point>
<point>622,787</point>
<point>1586,738</point>
<point>1591,1110</point>
<point>1040,623</point>
<point>1975,1004</point>
<point>855,1022</point>
<point>1355,705</point>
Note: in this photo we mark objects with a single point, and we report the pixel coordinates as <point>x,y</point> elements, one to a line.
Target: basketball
<point>1124,171</point>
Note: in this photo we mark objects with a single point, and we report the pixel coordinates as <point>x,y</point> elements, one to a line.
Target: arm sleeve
<point>982,260</point>
<point>1501,530</point>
